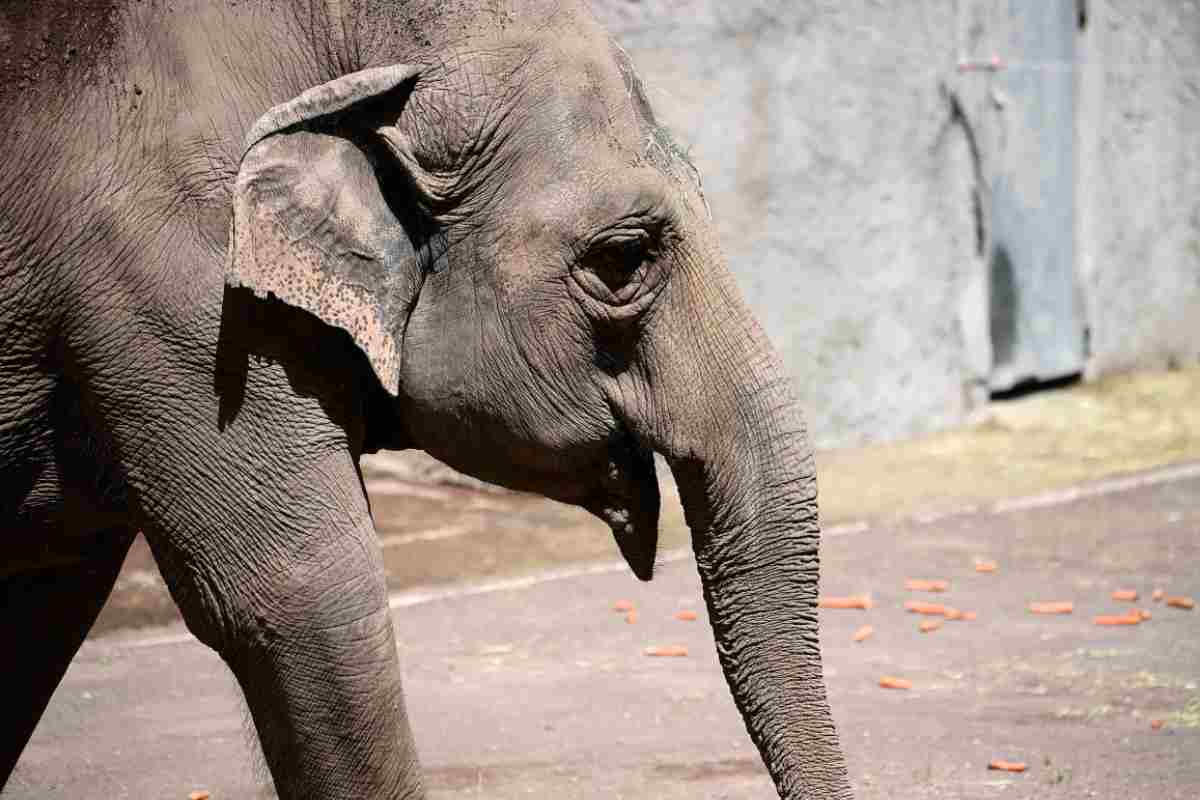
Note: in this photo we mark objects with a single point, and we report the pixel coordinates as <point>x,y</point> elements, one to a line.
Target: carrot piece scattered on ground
<point>667,651</point>
<point>1055,607</point>
<point>968,615</point>
<point>863,633</point>
<point>1143,613</point>
<point>917,607</point>
<point>685,616</point>
<point>199,794</point>
<point>1125,595</point>
<point>631,617</point>
<point>952,613</point>
<point>929,625</point>
<point>862,601</point>
<point>916,585</point>
<point>1156,724</point>
<point>888,682</point>
<point>1007,766</point>
<point>1185,603</point>
<point>1157,596</point>
<point>985,566</point>
<point>1119,619</point>
<point>622,606</point>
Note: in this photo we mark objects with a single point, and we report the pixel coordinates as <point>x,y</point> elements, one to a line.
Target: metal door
<point>1037,329</point>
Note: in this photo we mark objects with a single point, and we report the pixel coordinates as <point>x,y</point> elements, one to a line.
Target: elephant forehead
<point>598,119</point>
<point>560,108</point>
<point>572,210</point>
<point>536,91</point>
<point>590,102</point>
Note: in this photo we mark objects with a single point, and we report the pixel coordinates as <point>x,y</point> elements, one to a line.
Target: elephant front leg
<point>320,673</point>
<point>296,605</point>
<point>245,483</point>
<point>313,649</point>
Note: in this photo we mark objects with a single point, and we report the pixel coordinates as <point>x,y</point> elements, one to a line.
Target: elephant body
<point>243,243</point>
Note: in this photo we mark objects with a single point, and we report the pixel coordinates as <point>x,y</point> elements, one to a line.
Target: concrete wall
<point>1022,113</point>
<point>1139,185</point>
<point>855,173</point>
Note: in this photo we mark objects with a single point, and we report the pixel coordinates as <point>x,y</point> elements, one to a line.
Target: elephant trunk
<point>737,446</point>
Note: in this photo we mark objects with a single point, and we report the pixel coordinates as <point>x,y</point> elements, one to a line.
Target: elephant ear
<point>313,226</point>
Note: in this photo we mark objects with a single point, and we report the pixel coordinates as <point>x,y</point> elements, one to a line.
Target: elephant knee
<point>328,603</point>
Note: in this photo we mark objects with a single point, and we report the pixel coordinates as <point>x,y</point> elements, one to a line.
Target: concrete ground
<point>533,687</point>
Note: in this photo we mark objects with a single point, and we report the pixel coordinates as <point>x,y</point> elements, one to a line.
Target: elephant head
<point>527,262</point>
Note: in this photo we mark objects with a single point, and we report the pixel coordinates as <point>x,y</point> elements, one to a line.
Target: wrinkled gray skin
<point>485,249</point>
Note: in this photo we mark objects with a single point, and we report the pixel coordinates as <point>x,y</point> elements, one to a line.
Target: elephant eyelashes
<point>617,270</point>
<point>618,263</point>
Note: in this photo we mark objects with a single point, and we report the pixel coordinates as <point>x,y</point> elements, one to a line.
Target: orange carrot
<point>667,651</point>
<point>1157,596</point>
<point>1185,603</point>
<point>1055,607</point>
<point>916,607</point>
<point>888,682</point>
<point>1007,766</point>
<point>685,616</point>
<point>1118,619</point>
<point>862,601</point>
<point>622,606</point>
<point>631,617</point>
<point>1156,724</point>
<point>1143,613</point>
<point>985,566</point>
<point>916,585</point>
<point>968,615</point>
<point>952,613</point>
<point>1125,595</point>
<point>929,625</point>
<point>863,633</point>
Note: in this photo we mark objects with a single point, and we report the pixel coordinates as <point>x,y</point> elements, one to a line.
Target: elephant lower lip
<point>630,504</point>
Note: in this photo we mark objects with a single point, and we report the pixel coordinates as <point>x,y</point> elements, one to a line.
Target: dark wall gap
<point>1033,385</point>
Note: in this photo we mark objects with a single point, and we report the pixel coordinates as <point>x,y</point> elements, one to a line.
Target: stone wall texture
<point>1139,185</point>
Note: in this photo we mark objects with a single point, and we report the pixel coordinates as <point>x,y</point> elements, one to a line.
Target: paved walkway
<point>534,688</point>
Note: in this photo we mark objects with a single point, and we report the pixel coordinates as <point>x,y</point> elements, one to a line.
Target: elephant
<point>244,243</point>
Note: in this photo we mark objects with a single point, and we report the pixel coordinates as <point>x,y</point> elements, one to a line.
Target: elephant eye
<point>616,263</point>
<point>614,270</point>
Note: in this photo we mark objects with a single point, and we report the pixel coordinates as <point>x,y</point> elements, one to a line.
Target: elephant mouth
<point>628,501</point>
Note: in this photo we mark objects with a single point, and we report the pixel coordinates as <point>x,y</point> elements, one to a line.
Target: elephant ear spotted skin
<point>311,224</point>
